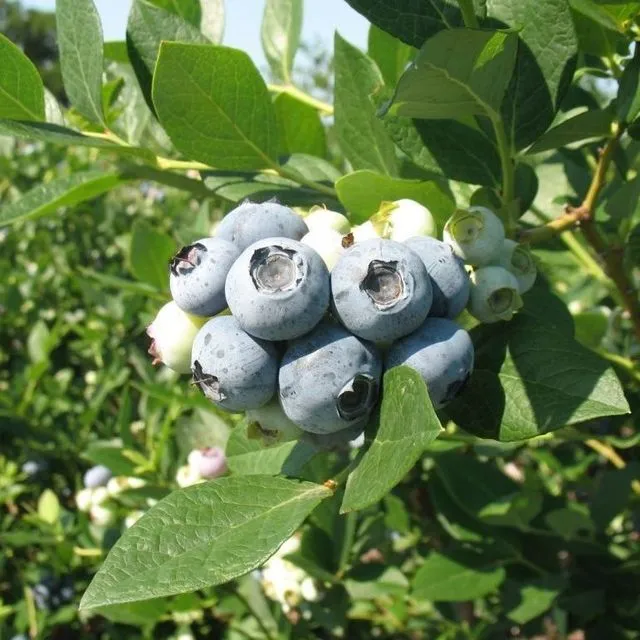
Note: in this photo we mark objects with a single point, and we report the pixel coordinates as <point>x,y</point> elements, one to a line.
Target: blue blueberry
<point>381,290</point>
<point>449,279</point>
<point>441,352</point>
<point>252,221</point>
<point>278,289</point>
<point>329,380</point>
<point>97,476</point>
<point>197,275</point>
<point>233,369</point>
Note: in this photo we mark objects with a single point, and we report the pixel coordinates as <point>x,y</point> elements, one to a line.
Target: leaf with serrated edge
<point>408,423</point>
<point>79,37</point>
<point>21,89</point>
<point>49,196</point>
<point>201,536</point>
<point>363,138</point>
<point>215,106</point>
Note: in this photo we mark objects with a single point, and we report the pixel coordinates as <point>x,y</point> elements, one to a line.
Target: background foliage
<point>520,519</point>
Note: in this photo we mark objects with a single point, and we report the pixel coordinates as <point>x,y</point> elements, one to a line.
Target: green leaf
<point>373,581</point>
<point>116,51</point>
<point>21,89</point>
<point>361,135</point>
<point>583,128</point>
<point>542,72</point>
<point>189,10</point>
<point>300,127</point>
<point>526,601</point>
<point>362,192</point>
<point>448,147</point>
<point>280,35</point>
<point>569,522</point>
<point>612,492</point>
<point>593,37</point>
<point>286,459</point>
<point>136,613</point>
<point>201,536</point>
<point>47,197</point>
<point>485,493</point>
<point>215,106</point>
<point>149,255</point>
<point>410,21</point>
<point>457,575</point>
<point>147,27</point>
<point>212,21</point>
<point>632,250</point>
<point>56,134</point>
<point>79,37</point>
<point>456,74</point>
<point>539,379</point>
<point>408,423</point>
<point>48,507</point>
<point>109,453</point>
<point>390,54</point>
<point>628,104</point>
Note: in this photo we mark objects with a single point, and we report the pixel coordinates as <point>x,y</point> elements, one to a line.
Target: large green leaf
<point>457,575</point>
<point>300,127</point>
<point>361,135</point>
<point>81,57</point>
<point>408,423</point>
<point>215,106</point>
<point>212,21</point>
<point>585,127</point>
<point>147,27</point>
<point>189,10</point>
<point>628,104</point>
<point>21,89</point>
<point>287,458</point>
<point>534,379</point>
<point>542,72</point>
<point>362,193</point>
<point>47,197</point>
<point>201,536</point>
<point>526,601</point>
<point>456,74</point>
<point>451,148</point>
<point>149,255</point>
<point>390,54</point>
<point>280,34</point>
<point>413,22</point>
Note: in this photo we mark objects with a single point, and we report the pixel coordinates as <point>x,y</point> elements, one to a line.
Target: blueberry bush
<point>289,355</point>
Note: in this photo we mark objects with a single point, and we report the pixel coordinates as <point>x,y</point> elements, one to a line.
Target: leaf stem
<point>626,364</point>
<point>468,14</point>
<point>267,632</point>
<point>324,107</point>
<point>508,173</point>
<point>608,452</point>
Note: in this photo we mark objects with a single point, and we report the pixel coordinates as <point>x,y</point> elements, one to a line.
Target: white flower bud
<point>173,332</point>
<point>327,243</point>
<point>84,499</point>
<point>320,219</point>
<point>132,518</point>
<point>101,516</point>
<point>99,495</point>
<point>185,477</point>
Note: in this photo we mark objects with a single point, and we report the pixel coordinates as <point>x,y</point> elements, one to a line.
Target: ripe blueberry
<point>329,380</point>
<point>233,369</point>
<point>381,290</point>
<point>449,279</point>
<point>278,289</point>
<point>441,352</point>
<point>97,476</point>
<point>197,275</point>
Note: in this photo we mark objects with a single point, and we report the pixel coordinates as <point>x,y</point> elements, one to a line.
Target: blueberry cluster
<point>53,592</point>
<point>319,310</point>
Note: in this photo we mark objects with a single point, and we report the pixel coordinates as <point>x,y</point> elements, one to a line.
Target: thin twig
<point>608,452</point>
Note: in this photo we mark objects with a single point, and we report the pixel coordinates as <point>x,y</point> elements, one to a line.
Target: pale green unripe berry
<point>271,424</point>
<point>365,231</point>
<point>407,219</point>
<point>173,332</point>
<point>476,235</point>
<point>101,516</point>
<point>494,295</point>
<point>320,218</point>
<point>519,261</point>
<point>327,243</point>
<point>84,499</point>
